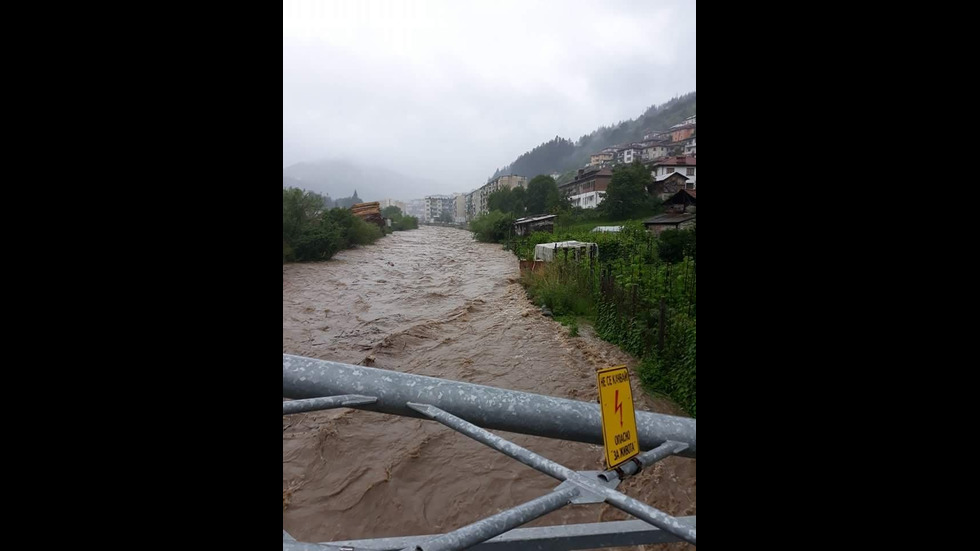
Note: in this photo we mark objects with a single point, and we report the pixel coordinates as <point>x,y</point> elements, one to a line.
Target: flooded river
<point>433,302</point>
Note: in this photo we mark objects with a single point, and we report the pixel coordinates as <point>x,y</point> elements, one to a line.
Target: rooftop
<point>566,245</point>
<point>588,173</point>
<point>492,180</point>
<point>681,160</point>
<point>670,219</point>
<point>533,219</point>
<point>684,197</point>
<point>669,176</point>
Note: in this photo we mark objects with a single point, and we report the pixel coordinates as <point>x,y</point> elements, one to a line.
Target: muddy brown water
<point>434,302</point>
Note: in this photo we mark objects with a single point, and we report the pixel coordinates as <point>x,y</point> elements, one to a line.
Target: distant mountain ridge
<point>340,179</point>
<point>561,155</point>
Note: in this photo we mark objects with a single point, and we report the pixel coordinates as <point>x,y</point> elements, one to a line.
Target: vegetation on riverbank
<point>507,205</point>
<point>543,197</point>
<point>495,227</point>
<point>399,221</point>
<point>311,232</point>
<point>640,293</point>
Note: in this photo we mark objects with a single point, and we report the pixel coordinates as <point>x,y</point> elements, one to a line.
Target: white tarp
<point>546,251</point>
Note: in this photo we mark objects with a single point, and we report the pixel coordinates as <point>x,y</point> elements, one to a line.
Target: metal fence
<point>470,409</point>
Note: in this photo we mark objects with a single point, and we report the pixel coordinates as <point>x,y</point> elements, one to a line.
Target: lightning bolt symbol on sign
<point>619,408</point>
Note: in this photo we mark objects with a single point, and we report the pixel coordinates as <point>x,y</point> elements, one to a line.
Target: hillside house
<point>587,181</point>
<point>628,154</point>
<point>589,200</point>
<point>527,226</point>
<point>603,157</point>
<point>685,200</point>
<point>682,133</point>
<point>683,164</point>
<point>670,221</point>
<point>667,185</point>
<point>654,150</point>
<point>691,148</point>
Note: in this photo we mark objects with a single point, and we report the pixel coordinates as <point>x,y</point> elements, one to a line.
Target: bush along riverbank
<point>311,233</point>
<point>639,293</point>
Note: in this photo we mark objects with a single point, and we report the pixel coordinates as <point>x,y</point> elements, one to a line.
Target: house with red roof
<point>682,164</point>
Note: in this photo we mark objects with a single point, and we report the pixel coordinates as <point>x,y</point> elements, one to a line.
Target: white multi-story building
<point>438,205</point>
<point>588,200</point>
<point>629,154</point>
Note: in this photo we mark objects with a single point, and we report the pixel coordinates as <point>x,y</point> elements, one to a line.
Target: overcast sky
<point>451,90</point>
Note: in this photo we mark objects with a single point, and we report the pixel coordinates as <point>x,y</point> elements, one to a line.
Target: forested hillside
<point>561,155</point>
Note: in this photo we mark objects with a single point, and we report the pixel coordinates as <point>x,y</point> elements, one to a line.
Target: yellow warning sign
<point>618,419</point>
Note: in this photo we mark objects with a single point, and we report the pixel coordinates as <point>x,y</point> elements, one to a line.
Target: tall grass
<point>674,371</point>
<point>494,227</point>
<point>363,233</point>
<point>564,287</point>
<point>621,293</point>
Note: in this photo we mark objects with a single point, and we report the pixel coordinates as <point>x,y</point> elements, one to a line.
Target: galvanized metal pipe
<point>329,402</point>
<point>617,499</point>
<point>502,445</point>
<point>490,527</point>
<point>652,515</point>
<point>646,459</point>
<point>543,538</point>
<point>485,406</point>
<point>300,546</point>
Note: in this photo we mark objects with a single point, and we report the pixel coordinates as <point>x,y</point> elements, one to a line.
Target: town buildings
<point>688,166</point>
<point>588,180</point>
<point>589,200</point>
<point>670,155</point>
<point>436,206</point>
<point>481,197</point>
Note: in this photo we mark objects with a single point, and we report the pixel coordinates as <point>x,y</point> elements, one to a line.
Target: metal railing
<point>470,409</point>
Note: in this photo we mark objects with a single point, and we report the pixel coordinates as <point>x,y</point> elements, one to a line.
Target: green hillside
<point>561,155</point>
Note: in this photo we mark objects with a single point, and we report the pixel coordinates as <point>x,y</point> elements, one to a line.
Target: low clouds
<point>452,90</point>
